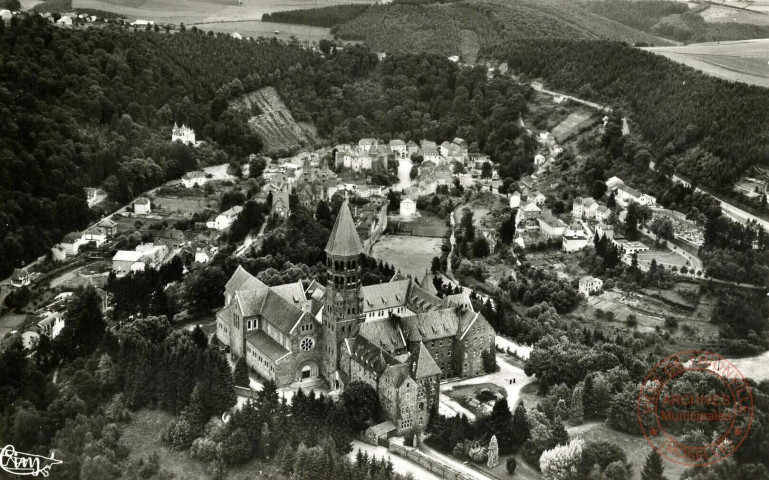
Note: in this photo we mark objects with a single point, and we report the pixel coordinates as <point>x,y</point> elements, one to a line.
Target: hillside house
<point>515,199</point>
<point>183,134</point>
<point>280,205</point>
<point>590,285</point>
<point>192,179</point>
<point>21,277</point>
<point>574,240</point>
<point>127,261</point>
<point>71,243</point>
<point>551,226</point>
<point>399,148</point>
<point>225,219</point>
<point>109,226</point>
<point>584,207</point>
<point>613,183</point>
<point>96,236</point>
<point>142,206</point>
<point>602,213</point>
<point>408,208</point>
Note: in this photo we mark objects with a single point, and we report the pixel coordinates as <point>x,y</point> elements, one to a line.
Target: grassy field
<point>635,446</point>
<point>10,322</point>
<point>572,125</point>
<point>744,61</point>
<point>204,11</point>
<point>411,255</point>
<point>254,28</point>
<point>718,14</point>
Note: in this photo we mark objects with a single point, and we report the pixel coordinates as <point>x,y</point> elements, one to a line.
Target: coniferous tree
<point>558,434</point>
<point>576,410</point>
<point>240,375</point>
<point>520,426</point>
<point>493,453</point>
<point>653,467</point>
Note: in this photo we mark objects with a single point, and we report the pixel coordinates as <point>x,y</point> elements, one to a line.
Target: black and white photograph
<point>384,239</point>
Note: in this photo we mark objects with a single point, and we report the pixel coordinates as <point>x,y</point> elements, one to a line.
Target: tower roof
<point>344,240</point>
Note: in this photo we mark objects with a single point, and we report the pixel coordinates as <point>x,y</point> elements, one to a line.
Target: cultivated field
<point>741,61</point>
<point>411,255</point>
<point>187,11</point>
<point>274,123</point>
<point>572,125</point>
<point>723,14</point>
<point>255,28</point>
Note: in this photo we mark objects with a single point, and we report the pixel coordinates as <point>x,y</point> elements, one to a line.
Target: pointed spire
<point>344,240</point>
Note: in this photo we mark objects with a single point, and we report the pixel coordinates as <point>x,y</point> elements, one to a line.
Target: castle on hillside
<point>399,337</point>
<point>183,134</point>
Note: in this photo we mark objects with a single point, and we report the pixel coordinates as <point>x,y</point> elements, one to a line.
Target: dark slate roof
<point>385,295</point>
<point>344,240</point>
<point>434,325</point>
<point>384,333</point>
<point>368,355</point>
<point>242,280</point>
<point>265,344</point>
<point>424,365</point>
<point>278,311</point>
<point>427,283</point>
<point>399,373</point>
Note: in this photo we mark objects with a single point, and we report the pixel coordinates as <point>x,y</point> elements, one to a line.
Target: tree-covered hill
<point>84,108</point>
<point>676,107</point>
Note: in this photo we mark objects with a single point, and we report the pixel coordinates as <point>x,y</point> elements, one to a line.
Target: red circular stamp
<point>695,408</point>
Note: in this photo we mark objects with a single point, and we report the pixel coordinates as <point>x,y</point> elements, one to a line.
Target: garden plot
<point>572,125</point>
<point>411,255</point>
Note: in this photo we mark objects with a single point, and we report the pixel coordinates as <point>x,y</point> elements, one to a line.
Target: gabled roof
<point>242,280</point>
<point>369,355</point>
<point>424,365</point>
<point>397,373</point>
<point>385,295</point>
<point>397,142</point>
<point>127,256</point>
<point>629,190</point>
<point>94,231</point>
<point>431,325</point>
<point>142,201</point>
<point>293,292</point>
<point>265,344</point>
<point>281,313</point>
<point>72,237</point>
<point>427,284</point>
<point>344,240</point>
<point>108,223</point>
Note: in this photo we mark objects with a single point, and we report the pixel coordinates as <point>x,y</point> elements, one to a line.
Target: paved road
<point>538,87</point>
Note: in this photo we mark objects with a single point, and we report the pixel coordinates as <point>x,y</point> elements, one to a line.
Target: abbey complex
<point>399,337</point>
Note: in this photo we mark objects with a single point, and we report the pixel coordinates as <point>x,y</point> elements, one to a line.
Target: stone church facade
<point>398,337</point>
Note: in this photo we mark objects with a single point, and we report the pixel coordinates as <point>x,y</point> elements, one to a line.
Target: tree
<point>653,467</point>
<point>598,189</point>
<point>520,426</point>
<point>486,170</point>
<point>558,434</point>
<point>493,453</point>
<point>361,403</point>
<point>414,172</point>
<point>559,462</point>
<point>507,229</point>
<point>204,288</point>
<point>576,411</point>
<point>256,167</point>
<point>240,375</point>
<point>480,248</point>
<point>511,464</point>
<point>489,358</point>
<point>83,326</point>
<point>435,265</point>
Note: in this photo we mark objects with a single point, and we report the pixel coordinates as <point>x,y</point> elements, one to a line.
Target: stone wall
<point>434,465</point>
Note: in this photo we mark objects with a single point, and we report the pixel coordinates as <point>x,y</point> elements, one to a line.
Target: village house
<point>96,236</point>
<point>515,199</point>
<point>603,230</point>
<point>602,213</point>
<point>183,134</point>
<point>431,155</point>
<point>193,179</point>
<point>590,285</point>
<point>142,206</point>
<point>71,243</point>
<point>399,148</point>
<point>280,205</point>
<point>584,207</point>
<point>551,226</point>
<point>21,277</point>
<point>613,183</point>
<point>225,219</point>
<point>574,240</point>
<point>109,226</point>
<point>408,207</point>
<point>127,261</point>
<point>412,147</point>
<point>627,247</point>
<point>171,237</point>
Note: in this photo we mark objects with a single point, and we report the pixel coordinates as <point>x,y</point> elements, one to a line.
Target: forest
<point>82,108</point>
<point>318,17</point>
<point>676,108</point>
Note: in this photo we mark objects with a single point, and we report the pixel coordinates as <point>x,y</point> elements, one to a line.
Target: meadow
<point>741,61</point>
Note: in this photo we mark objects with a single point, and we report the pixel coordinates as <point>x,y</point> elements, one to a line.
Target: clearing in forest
<point>273,121</point>
<point>572,125</point>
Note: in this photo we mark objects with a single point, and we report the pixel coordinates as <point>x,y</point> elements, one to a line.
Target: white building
<point>142,206</point>
<point>6,15</point>
<point>539,160</point>
<point>551,226</point>
<point>515,199</point>
<point>190,179</point>
<point>225,219</point>
<point>574,240</point>
<point>583,207</point>
<point>602,213</point>
<point>65,21</point>
<point>183,134</point>
<point>408,207</point>
<point>590,285</point>
<point>398,147</point>
<point>95,235</point>
<point>613,183</point>
<point>629,248</point>
<point>126,261</point>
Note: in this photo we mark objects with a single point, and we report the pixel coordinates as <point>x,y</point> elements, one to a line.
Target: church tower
<point>343,312</point>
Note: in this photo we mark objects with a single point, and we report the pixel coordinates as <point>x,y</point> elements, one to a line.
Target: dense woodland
<point>89,108</point>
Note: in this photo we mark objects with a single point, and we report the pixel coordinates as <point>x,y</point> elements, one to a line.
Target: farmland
<point>274,122</point>
<point>718,14</point>
<point>741,61</point>
<point>572,125</point>
<point>254,28</point>
<point>191,12</point>
<point>411,255</point>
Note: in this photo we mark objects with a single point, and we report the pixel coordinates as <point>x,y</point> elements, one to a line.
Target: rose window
<point>306,344</point>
